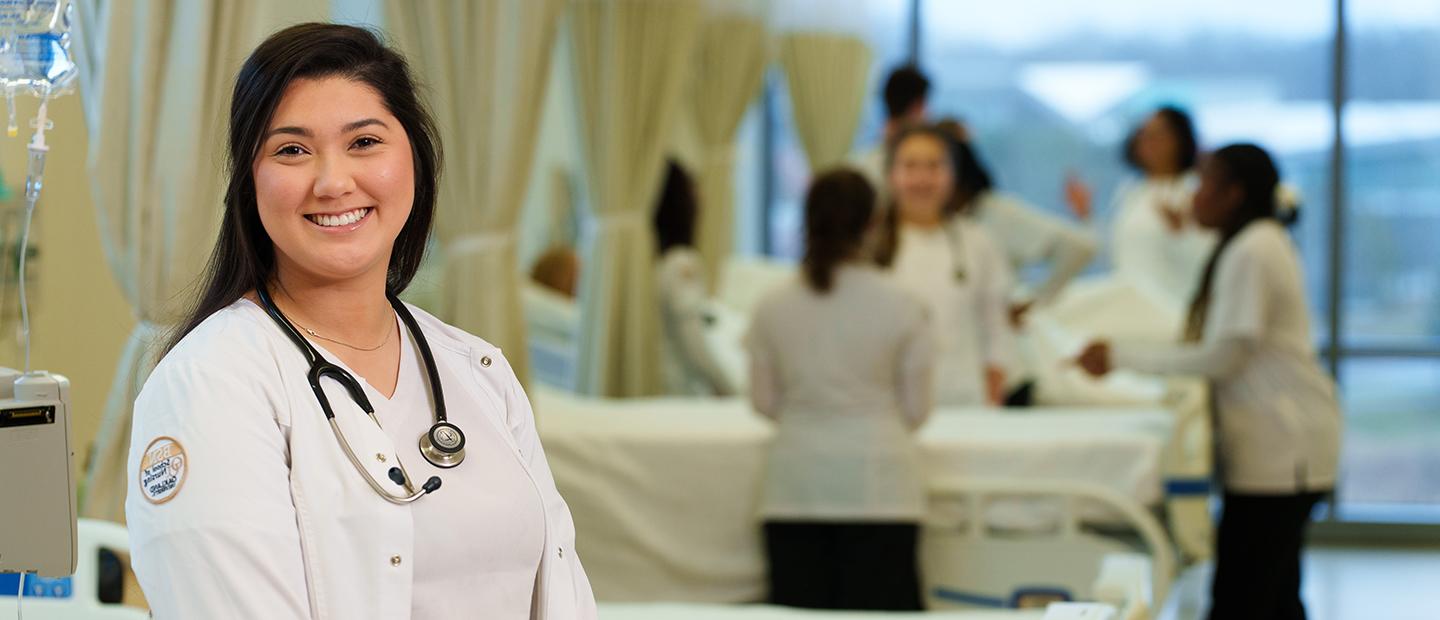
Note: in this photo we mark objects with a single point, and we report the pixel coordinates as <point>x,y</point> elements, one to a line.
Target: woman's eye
<point>290,150</point>
<point>366,142</point>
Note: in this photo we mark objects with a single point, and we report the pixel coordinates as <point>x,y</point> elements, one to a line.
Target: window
<point>1054,96</point>
<point>1390,369</point>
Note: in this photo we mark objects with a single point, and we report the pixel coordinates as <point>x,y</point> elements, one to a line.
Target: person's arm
<point>1215,360</point>
<point>225,543</point>
<point>686,301</point>
<point>1028,235</point>
<point>1235,324</point>
<point>520,418</point>
<point>993,283</point>
<point>765,384</point>
<point>1078,196</point>
<point>1071,250</point>
<point>915,374</point>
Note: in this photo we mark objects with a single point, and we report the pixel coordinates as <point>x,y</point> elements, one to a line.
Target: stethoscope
<point>443,446</point>
<point>957,253</point>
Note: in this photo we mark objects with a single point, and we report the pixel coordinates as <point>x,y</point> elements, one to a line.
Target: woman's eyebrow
<point>364,122</point>
<point>291,130</point>
<point>302,131</point>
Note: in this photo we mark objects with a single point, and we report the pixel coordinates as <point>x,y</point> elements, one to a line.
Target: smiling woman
<point>333,169</point>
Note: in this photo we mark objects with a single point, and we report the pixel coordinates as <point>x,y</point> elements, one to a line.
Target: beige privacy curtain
<point>630,58</point>
<point>826,74</point>
<point>155,86</point>
<point>730,64</point>
<point>486,64</point>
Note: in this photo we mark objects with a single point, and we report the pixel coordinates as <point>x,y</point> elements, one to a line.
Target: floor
<point>1343,584</point>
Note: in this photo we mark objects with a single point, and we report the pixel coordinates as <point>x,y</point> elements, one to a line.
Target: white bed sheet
<point>670,611</point>
<point>665,491</point>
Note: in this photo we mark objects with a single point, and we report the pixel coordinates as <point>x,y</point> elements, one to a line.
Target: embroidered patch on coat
<point>162,470</point>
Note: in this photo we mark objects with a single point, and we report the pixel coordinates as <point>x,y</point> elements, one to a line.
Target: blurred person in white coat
<point>1278,420</point>
<point>841,360</point>
<point>288,450</point>
<point>1155,241</point>
<point>1029,237</point>
<point>952,264</point>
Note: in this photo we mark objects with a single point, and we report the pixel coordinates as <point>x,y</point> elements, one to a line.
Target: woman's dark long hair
<point>838,209</point>
<point>1252,169</point>
<point>888,242</point>
<point>244,256</point>
<point>1187,146</point>
<point>972,176</point>
<point>676,209</point>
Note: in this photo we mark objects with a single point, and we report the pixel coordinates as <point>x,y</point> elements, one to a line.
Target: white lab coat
<point>272,521</point>
<point>1028,235</point>
<point>692,367</point>
<point>1278,415</point>
<point>846,377</point>
<point>968,299</point>
<point>1162,263</point>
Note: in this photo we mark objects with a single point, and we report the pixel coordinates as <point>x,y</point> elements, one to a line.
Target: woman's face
<point>334,180</point>
<point>1156,146</point>
<point>923,178</point>
<point>1218,196</point>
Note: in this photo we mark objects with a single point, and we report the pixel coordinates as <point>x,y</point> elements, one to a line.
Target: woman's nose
<point>334,179</point>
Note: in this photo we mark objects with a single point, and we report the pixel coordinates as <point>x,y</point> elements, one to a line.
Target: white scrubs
<point>968,299</point>
<point>488,517</point>
<point>1144,250</point>
<point>1029,236</point>
<point>846,377</point>
<point>242,503</point>
<point>1278,415</point>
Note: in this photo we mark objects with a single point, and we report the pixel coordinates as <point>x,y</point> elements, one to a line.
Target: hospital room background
<point>1067,487</point>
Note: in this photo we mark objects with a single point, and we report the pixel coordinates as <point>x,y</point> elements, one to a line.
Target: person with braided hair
<point>1278,420</point>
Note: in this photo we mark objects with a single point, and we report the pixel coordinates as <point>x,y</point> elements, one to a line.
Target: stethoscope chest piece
<point>443,446</point>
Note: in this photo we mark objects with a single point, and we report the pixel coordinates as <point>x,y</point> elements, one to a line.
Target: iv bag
<point>35,46</point>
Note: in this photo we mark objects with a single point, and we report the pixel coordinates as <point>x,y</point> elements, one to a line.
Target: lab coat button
<point>395,561</point>
<point>562,551</point>
<point>379,456</point>
<point>485,361</point>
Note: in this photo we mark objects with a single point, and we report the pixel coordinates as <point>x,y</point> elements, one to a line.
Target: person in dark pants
<point>841,359</point>
<point>1278,419</point>
<point>1258,545</point>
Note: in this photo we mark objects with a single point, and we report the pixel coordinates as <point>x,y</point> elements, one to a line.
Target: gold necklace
<point>345,344</point>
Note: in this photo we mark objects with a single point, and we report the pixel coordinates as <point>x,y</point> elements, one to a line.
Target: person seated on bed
<point>1278,421</point>
<point>558,270</point>
<point>691,367</point>
<point>841,359</point>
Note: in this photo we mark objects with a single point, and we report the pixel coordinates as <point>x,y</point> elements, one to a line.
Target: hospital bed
<point>1101,306</point>
<point>76,597</point>
<point>665,491</point>
<point>697,611</point>
<point>1029,572</point>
